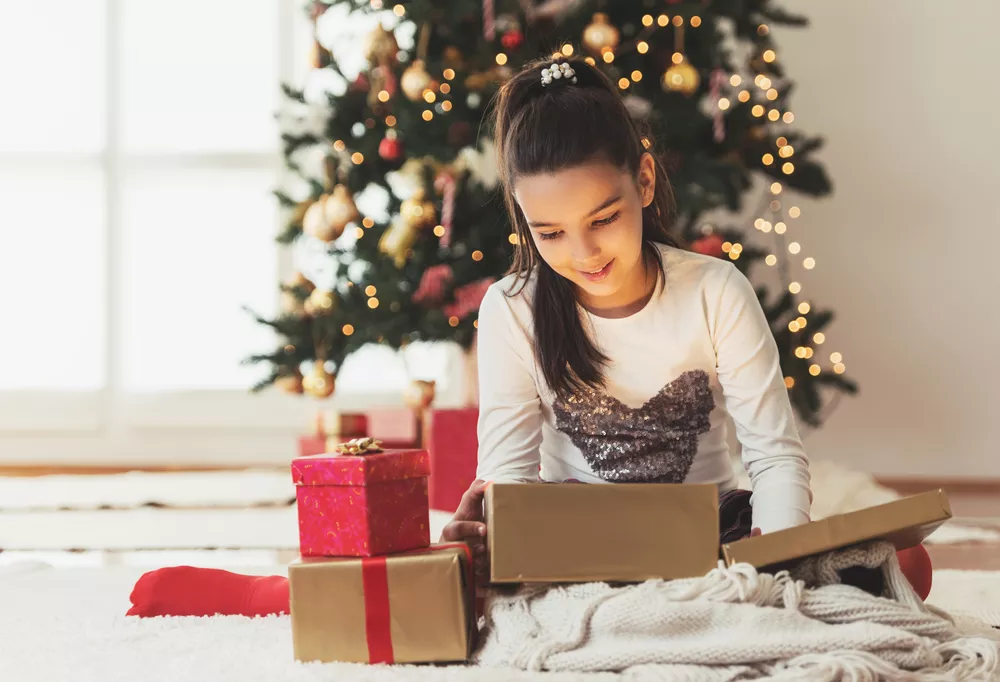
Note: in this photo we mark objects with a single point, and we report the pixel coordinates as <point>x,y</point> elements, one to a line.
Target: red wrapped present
<point>452,442</point>
<point>362,505</point>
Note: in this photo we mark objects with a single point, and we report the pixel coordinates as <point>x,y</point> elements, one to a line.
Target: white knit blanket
<point>738,624</point>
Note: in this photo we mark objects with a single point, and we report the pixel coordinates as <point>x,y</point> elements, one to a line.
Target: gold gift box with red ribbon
<point>412,607</point>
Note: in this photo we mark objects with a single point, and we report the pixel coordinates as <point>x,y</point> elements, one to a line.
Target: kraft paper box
<point>628,532</point>
<point>415,607</point>
<point>905,523</point>
<point>362,505</point>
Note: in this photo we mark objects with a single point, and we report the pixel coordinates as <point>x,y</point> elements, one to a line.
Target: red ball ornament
<point>391,148</point>
<point>512,40</point>
<point>709,245</point>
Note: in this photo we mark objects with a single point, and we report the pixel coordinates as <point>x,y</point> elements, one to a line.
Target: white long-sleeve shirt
<point>701,347</point>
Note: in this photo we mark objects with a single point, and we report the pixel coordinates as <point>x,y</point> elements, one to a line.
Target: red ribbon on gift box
<point>378,618</point>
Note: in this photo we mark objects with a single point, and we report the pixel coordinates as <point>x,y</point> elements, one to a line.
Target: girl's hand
<point>468,525</point>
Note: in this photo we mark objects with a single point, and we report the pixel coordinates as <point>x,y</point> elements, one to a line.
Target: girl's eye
<point>607,221</point>
<point>549,235</point>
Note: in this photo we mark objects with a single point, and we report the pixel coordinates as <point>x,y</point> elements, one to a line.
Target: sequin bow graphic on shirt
<point>655,443</point>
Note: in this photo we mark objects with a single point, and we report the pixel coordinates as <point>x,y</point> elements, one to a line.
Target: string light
<point>475,324</point>
<point>623,83</point>
<point>771,259</point>
<point>429,96</point>
<point>727,247</point>
<point>762,81</point>
<point>677,57</point>
<point>696,21</point>
<point>759,223</point>
<point>383,96</point>
<point>453,321</point>
<point>836,357</point>
<point>590,60</point>
<point>399,10</point>
<point>815,370</point>
<point>445,88</point>
<point>390,120</point>
<point>678,20</point>
<point>786,151</point>
<point>804,307</point>
<point>800,352</point>
<point>809,263</point>
<point>795,287</point>
<point>608,56</point>
<point>789,382</point>
<point>642,47</point>
<point>767,159</point>
<point>735,80</point>
<point>788,168</point>
<point>427,115</point>
<point>802,322</point>
<point>567,50</point>
<point>766,227</point>
<point>376,4</point>
<point>794,248</point>
<point>439,230</point>
<point>449,74</point>
<point>757,110</point>
<point>723,103</point>
<point>775,205</point>
<point>819,338</point>
<point>772,94</point>
<point>647,20</point>
<point>788,117</point>
<point>775,188</point>
<point>773,115</point>
<point>512,238</point>
<point>769,56</point>
<point>358,158</point>
<point>793,326</point>
<point>368,222</point>
<point>358,233</point>
<point>663,20</point>
<point>762,30</point>
<point>637,75</point>
<point>839,368</point>
<point>373,303</point>
<point>348,329</point>
<point>370,290</point>
<point>779,228</point>
<point>477,255</point>
<point>446,106</point>
<point>339,145</point>
<point>794,212</point>
<point>781,141</point>
<point>501,58</point>
<point>744,96</point>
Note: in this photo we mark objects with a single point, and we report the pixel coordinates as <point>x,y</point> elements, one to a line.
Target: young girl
<point>609,354</point>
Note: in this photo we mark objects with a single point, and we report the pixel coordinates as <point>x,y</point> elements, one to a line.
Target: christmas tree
<point>391,190</point>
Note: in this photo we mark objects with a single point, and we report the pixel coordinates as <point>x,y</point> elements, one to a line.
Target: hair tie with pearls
<point>558,72</point>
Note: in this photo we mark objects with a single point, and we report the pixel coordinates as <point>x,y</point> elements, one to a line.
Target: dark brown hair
<point>541,129</point>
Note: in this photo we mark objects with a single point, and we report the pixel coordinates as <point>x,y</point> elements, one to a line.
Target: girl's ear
<point>647,179</point>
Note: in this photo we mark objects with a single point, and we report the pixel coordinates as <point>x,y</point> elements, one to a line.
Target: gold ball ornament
<point>289,383</point>
<point>339,210</point>
<point>320,302</point>
<point>397,240</point>
<point>415,80</point>
<point>681,78</point>
<point>318,383</point>
<point>381,46</point>
<point>419,394</point>
<point>417,211</point>
<point>600,35</point>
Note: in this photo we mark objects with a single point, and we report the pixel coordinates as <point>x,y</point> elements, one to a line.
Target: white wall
<point>906,94</point>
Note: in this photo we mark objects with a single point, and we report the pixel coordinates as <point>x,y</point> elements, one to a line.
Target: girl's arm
<point>510,418</point>
<point>749,370</point>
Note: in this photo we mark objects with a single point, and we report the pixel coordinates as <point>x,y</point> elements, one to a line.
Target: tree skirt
<point>68,624</point>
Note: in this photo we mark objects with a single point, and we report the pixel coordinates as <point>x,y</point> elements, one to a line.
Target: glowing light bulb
<point>642,47</point>
<point>794,247</point>
<point>819,338</point>
<point>727,247</point>
<point>793,326</point>
<point>767,159</point>
<point>744,96</point>
<point>647,20</point>
<point>723,103</point>
<point>567,49</point>
<point>769,56</point>
<point>390,120</point>
<point>427,115</point>
<point>809,263</point>
<point>477,255</point>
<point>772,94</point>
<point>696,21</point>
<point>368,222</point>
<point>764,83</point>
<point>370,290</point>
<point>804,307</point>
<point>429,96</point>
<point>836,357</point>
<point>501,58</point>
<point>735,80</point>
<point>809,353</point>
<point>839,368</point>
<point>780,228</point>
<point>609,56</point>
<point>759,223</point>
<point>663,20</point>
<point>802,322</point>
<point>453,321</point>
<point>623,83</point>
<point>637,75</point>
<point>347,329</point>
<point>762,30</point>
<point>358,158</point>
<point>800,352</point>
<point>446,106</point>
<point>439,230</point>
<point>373,303</point>
<point>678,20</point>
<point>773,115</point>
<point>513,238</point>
<point>339,145</point>
<point>766,227</point>
<point>449,74</point>
<point>590,60</point>
<point>789,382</point>
<point>788,168</point>
<point>771,260</point>
<point>399,10</point>
<point>445,88</point>
<point>815,370</point>
<point>788,117</point>
<point>677,57</point>
<point>795,287</point>
<point>794,212</point>
<point>757,110</point>
<point>775,188</point>
<point>383,96</point>
<point>786,151</point>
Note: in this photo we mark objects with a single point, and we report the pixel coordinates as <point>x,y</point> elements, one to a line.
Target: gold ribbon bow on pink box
<point>359,446</point>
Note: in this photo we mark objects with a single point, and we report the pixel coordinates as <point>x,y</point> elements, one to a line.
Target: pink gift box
<point>362,505</point>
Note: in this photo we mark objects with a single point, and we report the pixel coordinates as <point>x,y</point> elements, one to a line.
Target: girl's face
<point>586,223</point>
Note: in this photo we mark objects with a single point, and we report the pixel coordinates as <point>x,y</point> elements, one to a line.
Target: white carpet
<point>68,624</point>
